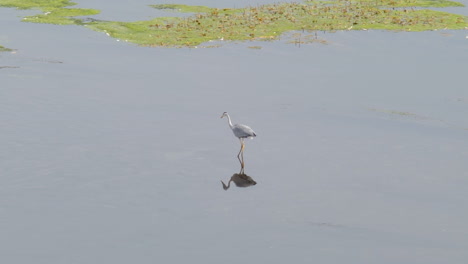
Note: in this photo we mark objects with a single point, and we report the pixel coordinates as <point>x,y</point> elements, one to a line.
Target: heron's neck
<point>224,185</point>
<point>229,120</point>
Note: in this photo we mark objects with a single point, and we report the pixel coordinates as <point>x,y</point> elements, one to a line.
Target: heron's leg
<point>240,161</point>
<point>238,154</point>
<point>242,153</point>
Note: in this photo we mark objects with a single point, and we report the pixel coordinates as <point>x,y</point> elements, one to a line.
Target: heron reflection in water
<point>240,180</point>
<point>241,132</point>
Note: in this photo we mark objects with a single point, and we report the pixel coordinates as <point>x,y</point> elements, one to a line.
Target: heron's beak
<point>222,116</point>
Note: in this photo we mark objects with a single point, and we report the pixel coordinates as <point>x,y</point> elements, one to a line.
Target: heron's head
<point>224,114</point>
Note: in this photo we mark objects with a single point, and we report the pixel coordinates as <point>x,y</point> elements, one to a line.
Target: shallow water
<point>114,153</point>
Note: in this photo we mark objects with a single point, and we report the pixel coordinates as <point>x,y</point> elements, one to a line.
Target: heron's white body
<point>239,130</point>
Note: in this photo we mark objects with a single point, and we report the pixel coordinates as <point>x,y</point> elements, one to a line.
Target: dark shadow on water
<point>240,180</point>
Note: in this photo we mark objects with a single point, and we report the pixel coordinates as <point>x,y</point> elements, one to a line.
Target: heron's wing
<point>243,131</point>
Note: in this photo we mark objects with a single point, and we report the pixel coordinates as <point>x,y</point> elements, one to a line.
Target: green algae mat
<point>4,49</point>
<point>264,22</point>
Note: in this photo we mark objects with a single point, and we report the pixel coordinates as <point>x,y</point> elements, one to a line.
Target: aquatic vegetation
<point>54,11</point>
<point>264,22</point>
<point>61,16</point>
<point>415,3</point>
<point>39,4</point>
<point>187,8</point>
<point>300,38</point>
<point>2,49</point>
<point>408,116</point>
<point>394,112</point>
<point>267,22</point>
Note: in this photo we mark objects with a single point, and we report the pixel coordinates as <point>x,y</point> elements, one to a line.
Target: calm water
<point>114,153</point>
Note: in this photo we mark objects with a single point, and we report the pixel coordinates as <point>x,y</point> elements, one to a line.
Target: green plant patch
<point>413,3</point>
<point>61,16</point>
<point>184,8</point>
<point>265,22</point>
<point>269,21</point>
<point>393,112</point>
<point>54,11</point>
<point>3,49</point>
<point>38,4</point>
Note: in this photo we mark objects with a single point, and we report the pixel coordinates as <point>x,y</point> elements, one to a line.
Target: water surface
<point>114,153</point>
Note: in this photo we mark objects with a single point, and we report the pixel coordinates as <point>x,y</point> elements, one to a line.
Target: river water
<point>114,153</point>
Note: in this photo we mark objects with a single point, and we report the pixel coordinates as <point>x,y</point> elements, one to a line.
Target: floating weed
<point>264,22</point>
<point>418,118</point>
<point>37,4</point>
<point>3,49</point>
<point>401,114</point>
<point>54,11</point>
<point>413,3</point>
<point>192,9</point>
<point>299,38</point>
<point>61,16</point>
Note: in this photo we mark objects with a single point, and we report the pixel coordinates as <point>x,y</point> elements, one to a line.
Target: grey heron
<point>240,180</point>
<point>241,132</point>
